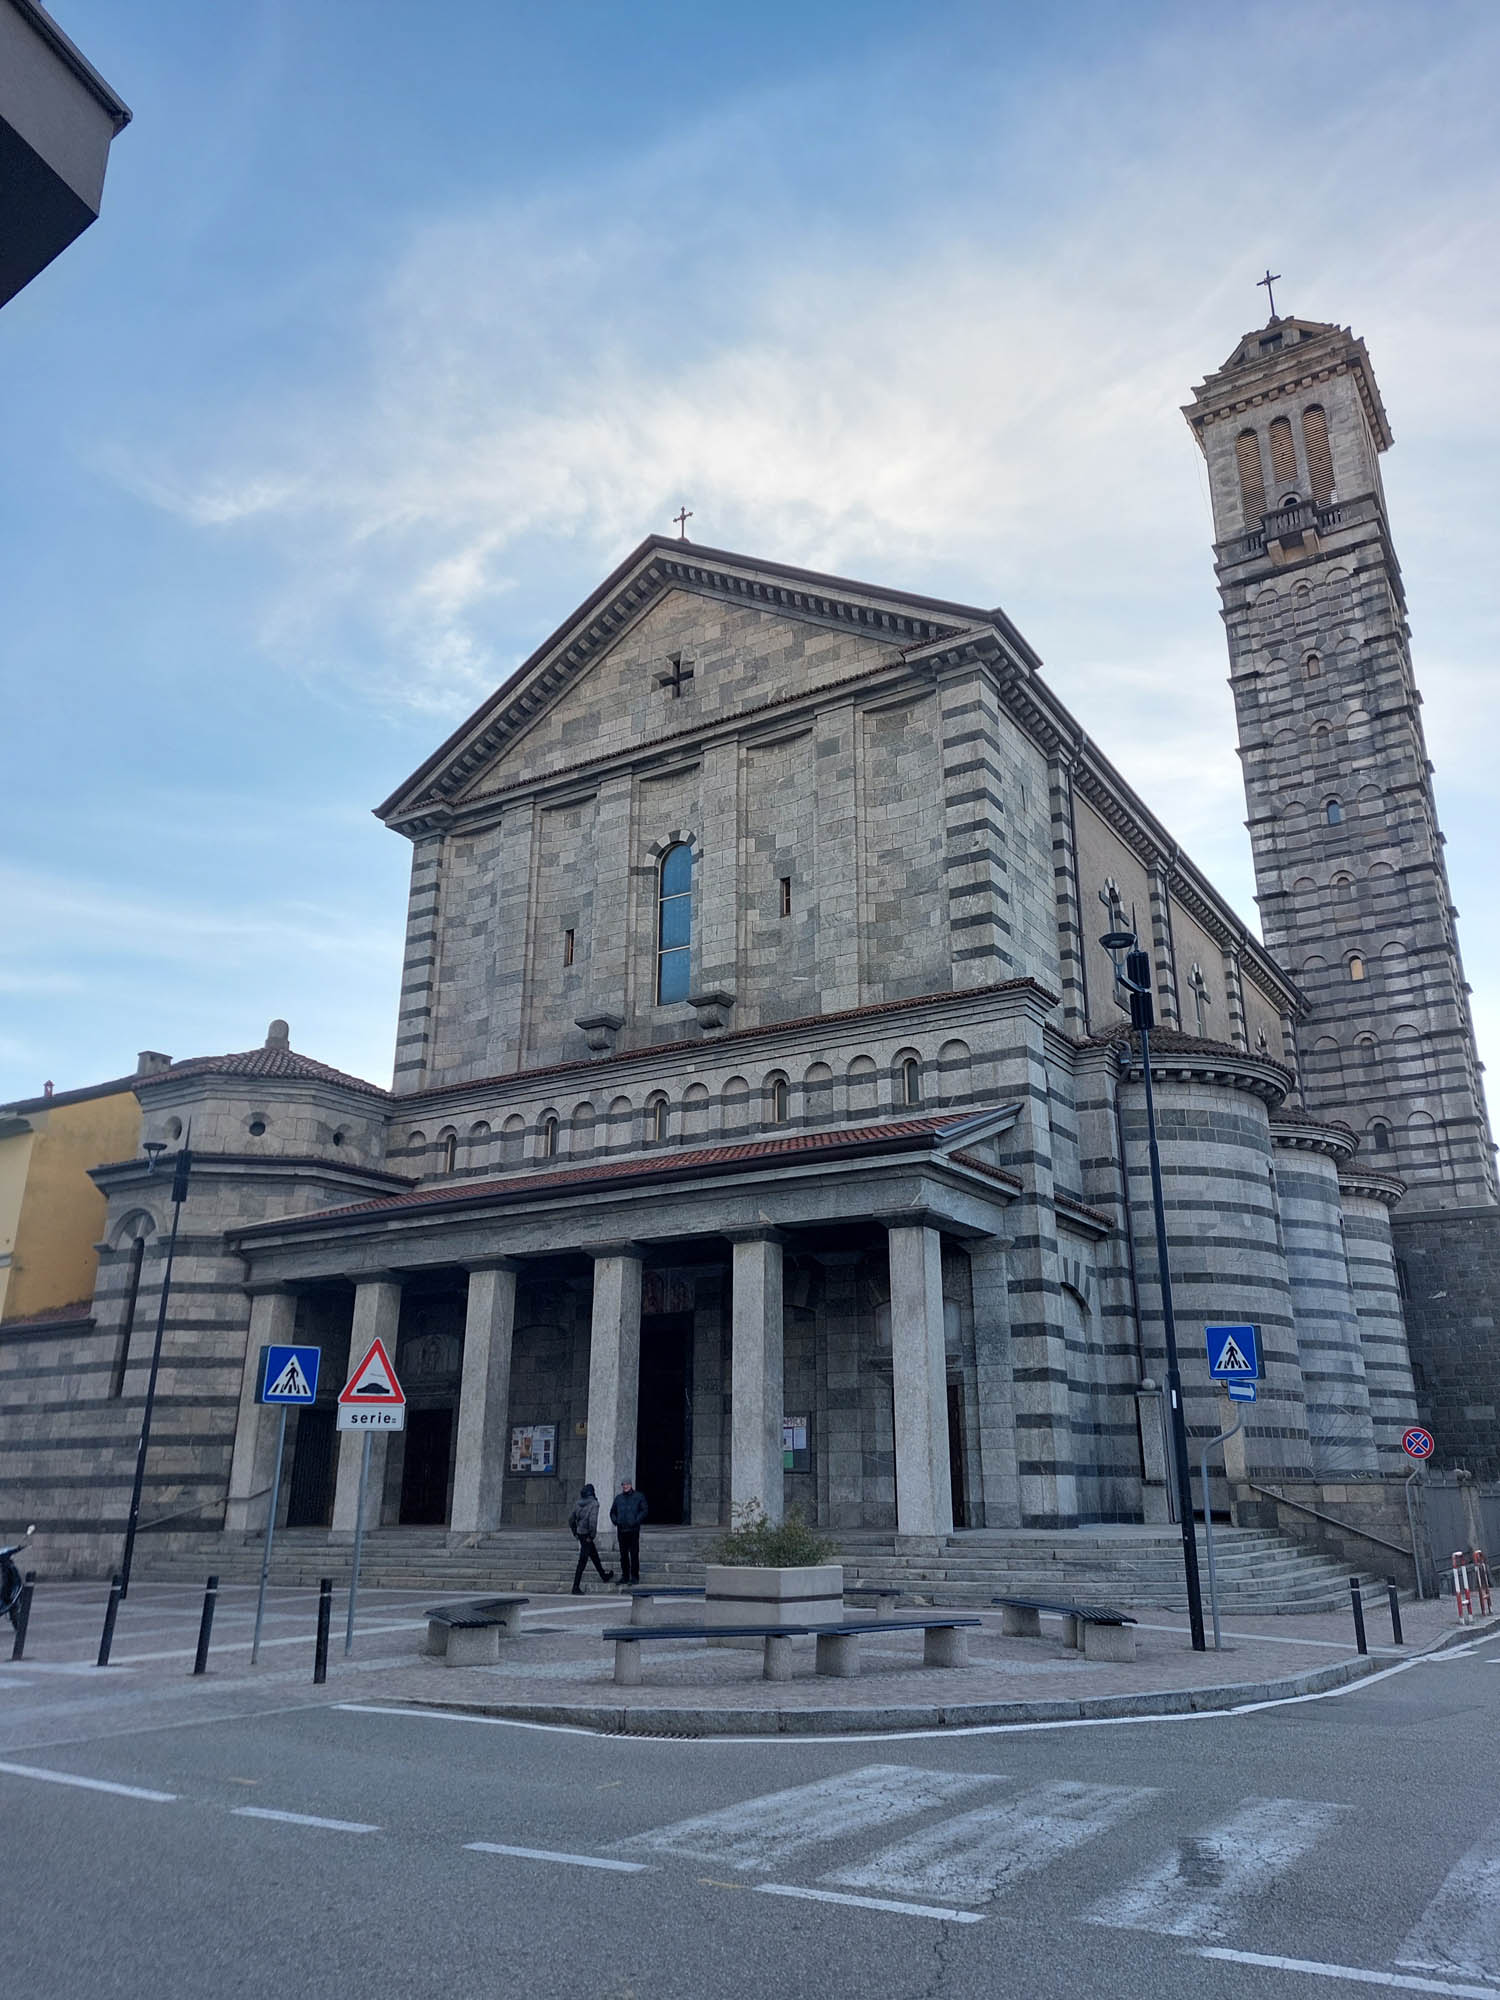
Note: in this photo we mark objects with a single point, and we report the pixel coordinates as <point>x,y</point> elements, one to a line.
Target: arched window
<point>546,1137</point>
<point>909,1081</point>
<point>1380,1136</point>
<point>674,924</point>
<point>781,1100</point>
<point>1319,457</point>
<point>1312,666</point>
<point>1252,480</point>
<point>658,1114</point>
<point>127,1323</point>
<point>450,1152</point>
<point>1343,888</point>
<point>1333,812</point>
<point>1356,966</point>
<point>1369,1050</point>
<point>582,1137</point>
<point>1283,454</point>
<point>512,1139</point>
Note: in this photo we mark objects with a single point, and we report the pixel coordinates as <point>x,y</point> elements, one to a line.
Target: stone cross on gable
<point>1200,994</point>
<point>679,673</point>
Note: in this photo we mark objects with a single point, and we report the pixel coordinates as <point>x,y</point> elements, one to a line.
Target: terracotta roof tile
<point>274,1063</point>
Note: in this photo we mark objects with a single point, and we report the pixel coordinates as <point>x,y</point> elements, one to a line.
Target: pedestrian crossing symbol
<point>1233,1352</point>
<point>289,1374</point>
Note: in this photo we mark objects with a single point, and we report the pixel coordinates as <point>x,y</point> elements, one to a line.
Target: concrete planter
<point>811,1595</point>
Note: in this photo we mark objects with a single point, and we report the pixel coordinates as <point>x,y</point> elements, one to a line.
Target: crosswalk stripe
<point>1194,1892</point>
<point>982,1853</point>
<point>766,1831</point>
<point>1459,1931</point>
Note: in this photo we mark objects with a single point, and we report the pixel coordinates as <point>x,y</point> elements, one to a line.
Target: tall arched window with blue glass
<point>674,925</point>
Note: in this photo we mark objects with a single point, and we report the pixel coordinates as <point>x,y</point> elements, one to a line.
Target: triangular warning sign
<point>373,1383</point>
<point>1232,1359</point>
<point>291,1381</point>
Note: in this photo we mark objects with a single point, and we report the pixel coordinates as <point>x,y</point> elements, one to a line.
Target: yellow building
<point>51,1214</point>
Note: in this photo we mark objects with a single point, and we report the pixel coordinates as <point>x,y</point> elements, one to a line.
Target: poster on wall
<point>533,1448</point>
<point>794,1454</point>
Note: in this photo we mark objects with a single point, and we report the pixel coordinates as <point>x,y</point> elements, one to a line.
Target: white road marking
<point>550,1854</point>
<point>1403,1982</point>
<point>1459,1931</point>
<point>763,1832</point>
<point>303,1819</point>
<point>981,1854</point>
<point>868,1903</point>
<point>1194,1892</point>
<point>86,1784</point>
<point>230,1645</point>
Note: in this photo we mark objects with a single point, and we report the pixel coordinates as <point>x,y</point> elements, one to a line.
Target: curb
<point>606,1720</point>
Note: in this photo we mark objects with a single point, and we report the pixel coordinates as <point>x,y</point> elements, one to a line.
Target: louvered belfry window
<point>1319,457</point>
<point>1283,456</point>
<point>1252,483</point>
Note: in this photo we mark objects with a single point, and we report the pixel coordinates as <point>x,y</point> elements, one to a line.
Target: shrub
<point>752,1541</point>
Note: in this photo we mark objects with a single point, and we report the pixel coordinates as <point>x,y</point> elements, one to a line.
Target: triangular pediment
<point>734,633</point>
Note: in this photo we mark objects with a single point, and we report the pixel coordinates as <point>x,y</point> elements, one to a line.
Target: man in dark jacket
<point>627,1511</point>
<point>584,1521</point>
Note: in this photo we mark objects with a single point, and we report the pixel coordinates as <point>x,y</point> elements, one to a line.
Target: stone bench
<point>1093,1629</point>
<point>643,1596</point>
<point>945,1643</point>
<point>468,1635</point>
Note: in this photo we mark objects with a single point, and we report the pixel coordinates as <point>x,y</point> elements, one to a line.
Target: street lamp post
<point>183,1167</point>
<point>1135,977</point>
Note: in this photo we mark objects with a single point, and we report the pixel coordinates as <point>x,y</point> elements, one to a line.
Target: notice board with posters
<point>533,1449</point>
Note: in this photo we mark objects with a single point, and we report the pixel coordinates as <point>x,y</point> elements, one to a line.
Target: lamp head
<point>1118,940</point>
<point>153,1149</point>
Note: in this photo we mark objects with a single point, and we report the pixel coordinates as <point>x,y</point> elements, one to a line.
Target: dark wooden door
<point>424,1470</point>
<point>310,1499</point>
<point>663,1449</point>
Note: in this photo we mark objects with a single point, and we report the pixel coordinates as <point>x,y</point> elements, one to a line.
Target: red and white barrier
<point>1482,1581</point>
<point>1463,1596</point>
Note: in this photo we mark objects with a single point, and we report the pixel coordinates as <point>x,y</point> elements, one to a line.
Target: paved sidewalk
<point>559,1671</point>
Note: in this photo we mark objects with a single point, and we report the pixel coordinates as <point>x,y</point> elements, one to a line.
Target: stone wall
<point>1450,1267</point>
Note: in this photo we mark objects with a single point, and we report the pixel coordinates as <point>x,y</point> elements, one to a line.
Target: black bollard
<point>206,1625</point>
<point>23,1615</point>
<point>1396,1638</point>
<point>111,1611</point>
<point>1359,1615</point>
<point>325,1619</point>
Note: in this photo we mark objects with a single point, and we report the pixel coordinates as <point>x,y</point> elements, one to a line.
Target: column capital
<point>760,1234</point>
<point>913,1218</point>
<point>625,1247</point>
<point>267,1288</point>
<point>478,1264</point>
<point>361,1278</point>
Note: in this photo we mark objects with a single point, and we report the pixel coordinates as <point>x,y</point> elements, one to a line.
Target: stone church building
<point>765,1123</point>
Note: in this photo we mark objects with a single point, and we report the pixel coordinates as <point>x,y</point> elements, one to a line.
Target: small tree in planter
<point>761,1572</point>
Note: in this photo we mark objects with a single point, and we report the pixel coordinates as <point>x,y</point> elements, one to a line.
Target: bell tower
<point>1349,870</point>
<point>1350,879</point>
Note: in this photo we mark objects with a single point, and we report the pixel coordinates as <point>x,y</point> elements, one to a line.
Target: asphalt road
<point>1360,1831</point>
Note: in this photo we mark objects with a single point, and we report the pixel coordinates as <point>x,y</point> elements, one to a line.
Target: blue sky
<point>401,325</point>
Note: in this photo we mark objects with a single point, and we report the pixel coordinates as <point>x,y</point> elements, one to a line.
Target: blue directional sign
<point>288,1374</point>
<point>1233,1353</point>
<point>1241,1392</point>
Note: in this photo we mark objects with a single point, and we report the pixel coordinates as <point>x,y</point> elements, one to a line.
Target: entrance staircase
<point>1258,1571</point>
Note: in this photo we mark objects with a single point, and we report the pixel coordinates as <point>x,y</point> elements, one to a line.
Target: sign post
<point>371,1400</point>
<point>289,1377</point>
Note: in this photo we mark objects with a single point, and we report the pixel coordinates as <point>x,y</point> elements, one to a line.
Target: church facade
<point>765,1125</point>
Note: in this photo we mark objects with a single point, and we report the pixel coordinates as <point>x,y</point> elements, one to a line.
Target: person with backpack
<point>584,1523</point>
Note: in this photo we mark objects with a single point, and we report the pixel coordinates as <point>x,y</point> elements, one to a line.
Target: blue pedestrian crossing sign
<point>1233,1353</point>
<point>289,1374</point>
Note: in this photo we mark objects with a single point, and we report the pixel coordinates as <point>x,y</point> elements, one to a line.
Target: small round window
<point>257,1128</point>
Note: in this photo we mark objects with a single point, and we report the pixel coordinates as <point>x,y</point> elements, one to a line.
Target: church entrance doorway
<point>958,1471</point>
<point>424,1469</point>
<point>664,1426</point>
<point>310,1497</point>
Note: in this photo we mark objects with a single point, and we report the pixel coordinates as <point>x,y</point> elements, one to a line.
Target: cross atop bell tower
<point>1349,870</point>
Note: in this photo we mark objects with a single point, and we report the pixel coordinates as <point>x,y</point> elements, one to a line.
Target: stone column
<point>998,1480</point>
<point>481,1453</point>
<point>756,1374</point>
<point>1163,947</point>
<point>614,1369</point>
<point>377,1314</point>
<point>273,1318</point>
<point>919,1380</point>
